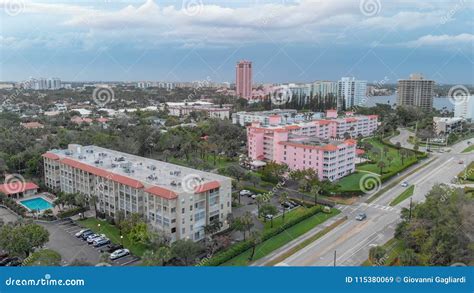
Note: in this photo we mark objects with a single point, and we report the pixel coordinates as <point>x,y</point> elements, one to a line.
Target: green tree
<point>408,257</point>
<point>255,238</point>
<point>377,255</point>
<point>21,239</point>
<point>282,199</point>
<point>270,210</point>
<point>185,250</point>
<point>158,257</point>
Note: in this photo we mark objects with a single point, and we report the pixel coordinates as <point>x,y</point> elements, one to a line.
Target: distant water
<point>441,103</point>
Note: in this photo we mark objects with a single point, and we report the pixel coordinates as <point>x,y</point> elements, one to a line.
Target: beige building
<point>416,91</point>
<point>447,125</point>
<point>176,201</point>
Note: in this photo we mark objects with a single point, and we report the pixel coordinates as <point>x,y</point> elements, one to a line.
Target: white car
<point>79,234</point>
<point>119,253</point>
<point>404,184</point>
<point>245,192</point>
<point>91,240</point>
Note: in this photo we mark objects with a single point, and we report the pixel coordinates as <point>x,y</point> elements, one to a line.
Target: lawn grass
<point>404,195</point>
<point>394,166</point>
<point>350,183</point>
<point>113,233</point>
<point>281,239</point>
<point>468,173</point>
<point>468,149</point>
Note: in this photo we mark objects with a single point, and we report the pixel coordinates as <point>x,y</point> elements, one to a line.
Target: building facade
<point>447,125</point>
<point>465,108</point>
<point>325,145</point>
<point>416,91</point>
<point>176,201</point>
<point>351,93</point>
<point>243,79</point>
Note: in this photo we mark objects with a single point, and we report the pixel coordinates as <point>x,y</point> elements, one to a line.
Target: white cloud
<point>442,40</point>
<point>216,25</point>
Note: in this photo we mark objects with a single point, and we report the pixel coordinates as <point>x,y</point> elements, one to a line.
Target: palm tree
<point>255,239</point>
<point>315,192</point>
<point>93,201</point>
<point>259,200</point>
<point>282,199</point>
<point>381,165</point>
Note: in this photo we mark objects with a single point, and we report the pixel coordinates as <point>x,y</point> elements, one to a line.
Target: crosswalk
<point>363,206</point>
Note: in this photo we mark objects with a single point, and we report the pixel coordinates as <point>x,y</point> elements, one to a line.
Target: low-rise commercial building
<point>176,201</point>
<point>447,125</point>
<point>211,111</point>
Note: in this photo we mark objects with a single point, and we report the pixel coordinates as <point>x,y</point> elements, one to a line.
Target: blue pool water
<point>37,204</point>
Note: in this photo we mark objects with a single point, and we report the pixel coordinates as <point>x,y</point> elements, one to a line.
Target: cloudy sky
<point>190,40</point>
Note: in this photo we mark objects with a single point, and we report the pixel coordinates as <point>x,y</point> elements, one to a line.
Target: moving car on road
<point>404,184</point>
<point>361,217</point>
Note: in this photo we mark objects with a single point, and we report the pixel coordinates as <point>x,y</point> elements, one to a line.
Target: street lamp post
<point>121,240</point>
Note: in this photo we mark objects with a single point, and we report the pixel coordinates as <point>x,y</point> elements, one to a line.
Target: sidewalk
<point>298,241</point>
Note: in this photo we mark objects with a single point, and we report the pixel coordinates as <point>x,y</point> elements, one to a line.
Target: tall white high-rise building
<point>351,92</point>
<point>465,108</point>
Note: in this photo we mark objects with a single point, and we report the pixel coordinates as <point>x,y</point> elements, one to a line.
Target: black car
<point>14,262</point>
<point>111,248</point>
<point>6,260</point>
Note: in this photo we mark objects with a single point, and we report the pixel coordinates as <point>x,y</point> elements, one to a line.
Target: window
<point>173,230</point>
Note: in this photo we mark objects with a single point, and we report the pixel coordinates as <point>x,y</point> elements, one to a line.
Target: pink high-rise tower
<point>243,79</point>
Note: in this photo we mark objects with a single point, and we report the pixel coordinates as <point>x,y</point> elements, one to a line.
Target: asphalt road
<point>353,239</point>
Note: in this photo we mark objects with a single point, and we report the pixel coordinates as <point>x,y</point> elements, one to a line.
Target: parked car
<point>327,210</point>
<point>101,242</point>
<point>461,162</point>
<point>80,233</point>
<point>269,217</point>
<point>111,248</point>
<point>119,253</point>
<point>253,196</point>
<point>361,217</point>
<point>295,204</point>
<point>245,192</point>
<point>6,260</point>
<point>404,184</point>
<point>16,261</point>
<point>85,235</point>
<point>91,240</point>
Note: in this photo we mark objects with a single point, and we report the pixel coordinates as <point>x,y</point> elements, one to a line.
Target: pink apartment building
<point>243,79</point>
<point>317,144</point>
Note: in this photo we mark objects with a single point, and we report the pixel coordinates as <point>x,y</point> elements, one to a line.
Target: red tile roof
<point>351,120</point>
<point>207,186</point>
<point>291,127</point>
<point>17,187</point>
<point>50,156</point>
<point>350,141</point>
<point>102,173</point>
<point>162,192</point>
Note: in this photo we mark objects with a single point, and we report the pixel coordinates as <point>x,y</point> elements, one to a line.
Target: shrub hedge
<point>241,247</point>
<point>71,212</point>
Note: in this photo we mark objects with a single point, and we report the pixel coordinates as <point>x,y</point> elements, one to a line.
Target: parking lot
<point>63,240</point>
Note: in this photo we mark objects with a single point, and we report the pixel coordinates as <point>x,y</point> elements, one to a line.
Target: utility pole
<point>334,257</point>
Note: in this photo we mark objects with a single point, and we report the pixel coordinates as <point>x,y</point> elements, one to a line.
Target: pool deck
<point>42,196</point>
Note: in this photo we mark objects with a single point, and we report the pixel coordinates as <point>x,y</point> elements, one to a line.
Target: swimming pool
<point>37,204</point>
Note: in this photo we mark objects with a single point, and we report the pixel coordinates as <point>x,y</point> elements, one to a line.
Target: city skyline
<point>90,41</point>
